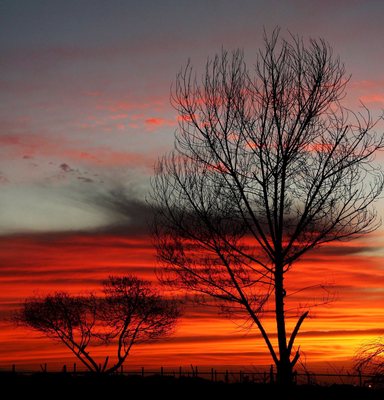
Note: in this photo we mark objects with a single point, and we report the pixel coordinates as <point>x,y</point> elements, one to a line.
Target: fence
<point>226,376</point>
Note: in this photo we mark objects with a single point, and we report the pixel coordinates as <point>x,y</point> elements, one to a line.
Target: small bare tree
<point>129,313</point>
<point>266,167</point>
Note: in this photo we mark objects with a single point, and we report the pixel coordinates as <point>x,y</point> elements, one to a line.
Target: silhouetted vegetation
<point>267,166</point>
<point>129,313</point>
<point>370,358</point>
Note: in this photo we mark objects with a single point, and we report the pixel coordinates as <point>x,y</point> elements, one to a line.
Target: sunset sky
<point>85,113</point>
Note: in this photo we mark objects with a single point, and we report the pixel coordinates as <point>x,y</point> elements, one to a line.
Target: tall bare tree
<point>267,166</point>
<point>129,313</point>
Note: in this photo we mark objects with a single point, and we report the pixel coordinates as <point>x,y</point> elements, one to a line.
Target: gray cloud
<point>65,167</point>
<point>129,214</point>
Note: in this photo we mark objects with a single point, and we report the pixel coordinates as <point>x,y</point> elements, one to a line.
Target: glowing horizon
<point>331,334</point>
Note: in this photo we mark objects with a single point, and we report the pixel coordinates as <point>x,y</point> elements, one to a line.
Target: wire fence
<point>221,375</point>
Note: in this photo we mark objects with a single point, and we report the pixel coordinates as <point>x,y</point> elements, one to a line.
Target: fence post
<point>74,368</point>
<point>180,372</point>
<point>13,368</point>
<point>212,375</point>
<point>271,375</point>
<point>142,372</point>
<point>226,376</point>
<point>161,371</point>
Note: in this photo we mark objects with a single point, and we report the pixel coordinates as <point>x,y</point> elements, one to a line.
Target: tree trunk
<point>284,366</point>
<point>284,373</point>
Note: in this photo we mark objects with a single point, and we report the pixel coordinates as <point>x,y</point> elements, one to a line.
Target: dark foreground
<point>53,386</point>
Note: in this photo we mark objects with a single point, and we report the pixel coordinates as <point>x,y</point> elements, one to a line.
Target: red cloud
<point>109,114</point>
<point>373,98</point>
<point>367,85</point>
<point>158,122</point>
<point>119,105</point>
<point>119,116</point>
<point>31,145</point>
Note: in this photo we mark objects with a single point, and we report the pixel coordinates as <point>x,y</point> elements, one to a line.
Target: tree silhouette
<point>129,313</point>
<point>266,167</point>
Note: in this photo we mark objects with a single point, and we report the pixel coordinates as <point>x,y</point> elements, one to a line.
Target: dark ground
<point>50,385</point>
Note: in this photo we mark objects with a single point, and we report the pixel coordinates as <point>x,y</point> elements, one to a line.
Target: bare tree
<point>266,167</point>
<point>130,312</point>
<point>370,357</point>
